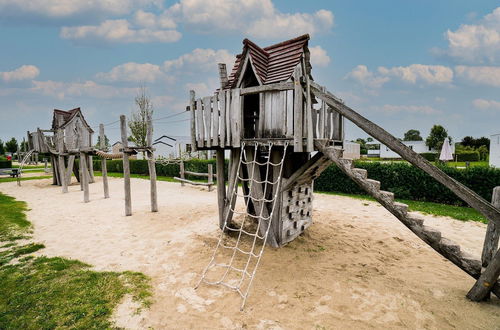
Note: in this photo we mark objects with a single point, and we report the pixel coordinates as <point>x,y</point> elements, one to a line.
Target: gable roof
<point>67,117</point>
<point>272,64</point>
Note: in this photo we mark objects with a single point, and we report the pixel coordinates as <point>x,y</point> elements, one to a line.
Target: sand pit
<point>356,267</point>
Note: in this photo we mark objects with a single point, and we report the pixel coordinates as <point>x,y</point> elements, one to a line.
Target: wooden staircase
<point>447,248</point>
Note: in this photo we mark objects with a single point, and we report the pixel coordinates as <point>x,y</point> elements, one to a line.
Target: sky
<point>403,64</point>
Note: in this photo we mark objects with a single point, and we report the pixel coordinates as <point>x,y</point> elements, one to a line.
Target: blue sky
<point>403,64</point>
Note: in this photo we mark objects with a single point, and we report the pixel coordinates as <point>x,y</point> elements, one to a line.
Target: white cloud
<point>414,109</point>
<point>367,78</point>
<point>479,43</point>
<point>71,8</point>
<point>319,57</point>
<point>414,73</point>
<point>150,20</point>
<point>256,18</point>
<point>481,75</point>
<point>133,72</point>
<point>118,31</point>
<point>25,72</point>
<point>431,74</point>
<point>199,59</point>
<point>483,104</point>
<point>61,90</point>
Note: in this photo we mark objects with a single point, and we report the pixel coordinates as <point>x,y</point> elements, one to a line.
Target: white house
<point>495,150</point>
<point>417,146</point>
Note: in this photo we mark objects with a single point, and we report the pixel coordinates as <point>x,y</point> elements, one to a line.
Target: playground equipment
<point>282,130</point>
<point>210,176</point>
<point>72,137</point>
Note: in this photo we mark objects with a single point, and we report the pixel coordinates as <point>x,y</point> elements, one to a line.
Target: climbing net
<point>238,273</point>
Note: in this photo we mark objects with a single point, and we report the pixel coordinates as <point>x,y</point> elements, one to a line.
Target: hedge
<point>4,163</point>
<point>468,156</point>
<point>409,182</point>
<point>430,156</point>
<point>403,179</point>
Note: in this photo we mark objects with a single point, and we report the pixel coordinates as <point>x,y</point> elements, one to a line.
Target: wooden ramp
<point>487,279</point>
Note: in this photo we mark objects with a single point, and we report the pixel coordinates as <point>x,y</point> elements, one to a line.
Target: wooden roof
<point>272,64</point>
<point>67,117</point>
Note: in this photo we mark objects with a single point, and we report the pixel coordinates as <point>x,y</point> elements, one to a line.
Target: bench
<point>12,172</point>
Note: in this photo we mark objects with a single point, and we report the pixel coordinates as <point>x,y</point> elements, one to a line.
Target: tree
<point>469,141</point>
<point>24,145</point>
<point>362,146</point>
<point>11,145</point>
<point>483,152</point>
<point>2,148</point>
<point>138,122</point>
<point>412,135</point>
<point>106,142</point>
<point>436,137</point>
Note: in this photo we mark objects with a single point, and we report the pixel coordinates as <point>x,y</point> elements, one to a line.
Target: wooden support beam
<point>210,176</point>
<point>487,281</point>
<point>194,183</point>
<point>126,166</point>
<point>297,112</point>
<point>69,169</point>
<point>91,168</point>
<point>104,165</point>
<point>223,75</point>
<point>307,172</point>
<point>62,173</point>
<point>466,194</point>
<point>192,103</point>
<point>267,88</point>
<point>234,163</point>
<point>85,177</point>
<point>221,185</point>
<point>490,245</point>
<point>182,173</point>
<point>151,167</point>
<point>308,117</point>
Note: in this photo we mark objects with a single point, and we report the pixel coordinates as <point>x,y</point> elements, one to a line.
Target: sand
<point>356,266</point>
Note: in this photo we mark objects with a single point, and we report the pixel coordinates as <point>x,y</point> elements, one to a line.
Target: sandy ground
<point>356,267</point>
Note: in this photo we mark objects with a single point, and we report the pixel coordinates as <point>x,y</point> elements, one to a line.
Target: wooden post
<point>84,179</point>
<point>210,176</point>
<point>221,185</point>
<point>104,165</point>
<point>297,112</point>
<point>46,165</point>
<point>182,173</point>
<point>60,148</point>
<point>233,185</point>
<point>193,120</point>
<point>126,166</point>
<point>91,168</point>
<point>69,169</point>
<point>482,287</point>
<point>490,245</point>
<point>152,167</point>
<point>308,113</point>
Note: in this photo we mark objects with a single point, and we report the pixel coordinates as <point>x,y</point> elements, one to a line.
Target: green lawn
<point>49,293</point>
<point>9,179</point>
<point>451,164</point>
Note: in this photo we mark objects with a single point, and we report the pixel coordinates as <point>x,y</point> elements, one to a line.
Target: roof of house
<point>67,117</point>
<point>274,63</point>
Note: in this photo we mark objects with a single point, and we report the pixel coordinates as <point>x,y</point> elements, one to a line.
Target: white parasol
<point>446,151</point>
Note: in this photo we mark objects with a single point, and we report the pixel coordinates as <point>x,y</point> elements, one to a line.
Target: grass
<point>451,164</point>
<point>48,293</point>
<point>456,212</point>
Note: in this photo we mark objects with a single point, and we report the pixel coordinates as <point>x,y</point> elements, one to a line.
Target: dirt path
<point>356,267</point>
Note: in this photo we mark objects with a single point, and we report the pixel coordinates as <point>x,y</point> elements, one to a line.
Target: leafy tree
<point>2,148</point>
<point>436,137</point>
<point>24,145</point>
<point>468,141</point>
<point>11,145</point>
<point>412,135</point>
<point>483,152</point>
<point>106,142</point>
<point>482,141</point>
<point>362,149</point>
<point>138,122</point>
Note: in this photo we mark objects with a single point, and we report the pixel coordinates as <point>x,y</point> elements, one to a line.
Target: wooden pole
<point>104,165</point>
<point>297,112</point>
<point>152,167</point>
<point>210,176</point>
<point>492,232</point>
<point>221,185</point>
<point>126,166</point>
<point>482,287</point>
<point>62,174</point>
<point>85,177</point>
<point>69,169</point>
<point>46,165</point>
<point>182,174</point>
<point>192,103</point>
<point>91,168</point>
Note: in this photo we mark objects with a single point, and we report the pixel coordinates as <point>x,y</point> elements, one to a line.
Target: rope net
<point>251,234</point>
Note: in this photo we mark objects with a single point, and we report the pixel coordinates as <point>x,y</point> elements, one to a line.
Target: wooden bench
<point>12,172</point>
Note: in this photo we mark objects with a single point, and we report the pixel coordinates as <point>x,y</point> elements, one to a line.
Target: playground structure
<point>282,130</point>
<point>210,176</point>
<point>71,137</point>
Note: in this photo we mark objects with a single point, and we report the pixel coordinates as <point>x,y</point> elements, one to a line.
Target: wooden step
<point>432,235</point>
<point>387,195</point>
<point>401,207</point>
<point>416,218</point>
<point>347,162</point>
<point>374,183</point>
<point>362,172</point>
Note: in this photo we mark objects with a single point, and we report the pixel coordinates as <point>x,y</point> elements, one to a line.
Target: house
<point>495,150</point>
<point>382,151</point>
<point>77,132</point>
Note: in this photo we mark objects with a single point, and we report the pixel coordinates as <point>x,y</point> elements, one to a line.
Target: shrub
<point>468,156</point>
<point>430,156</point>
<point>4,163</point>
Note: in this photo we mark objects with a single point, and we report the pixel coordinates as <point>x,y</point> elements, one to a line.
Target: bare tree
<point>139,120</point>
